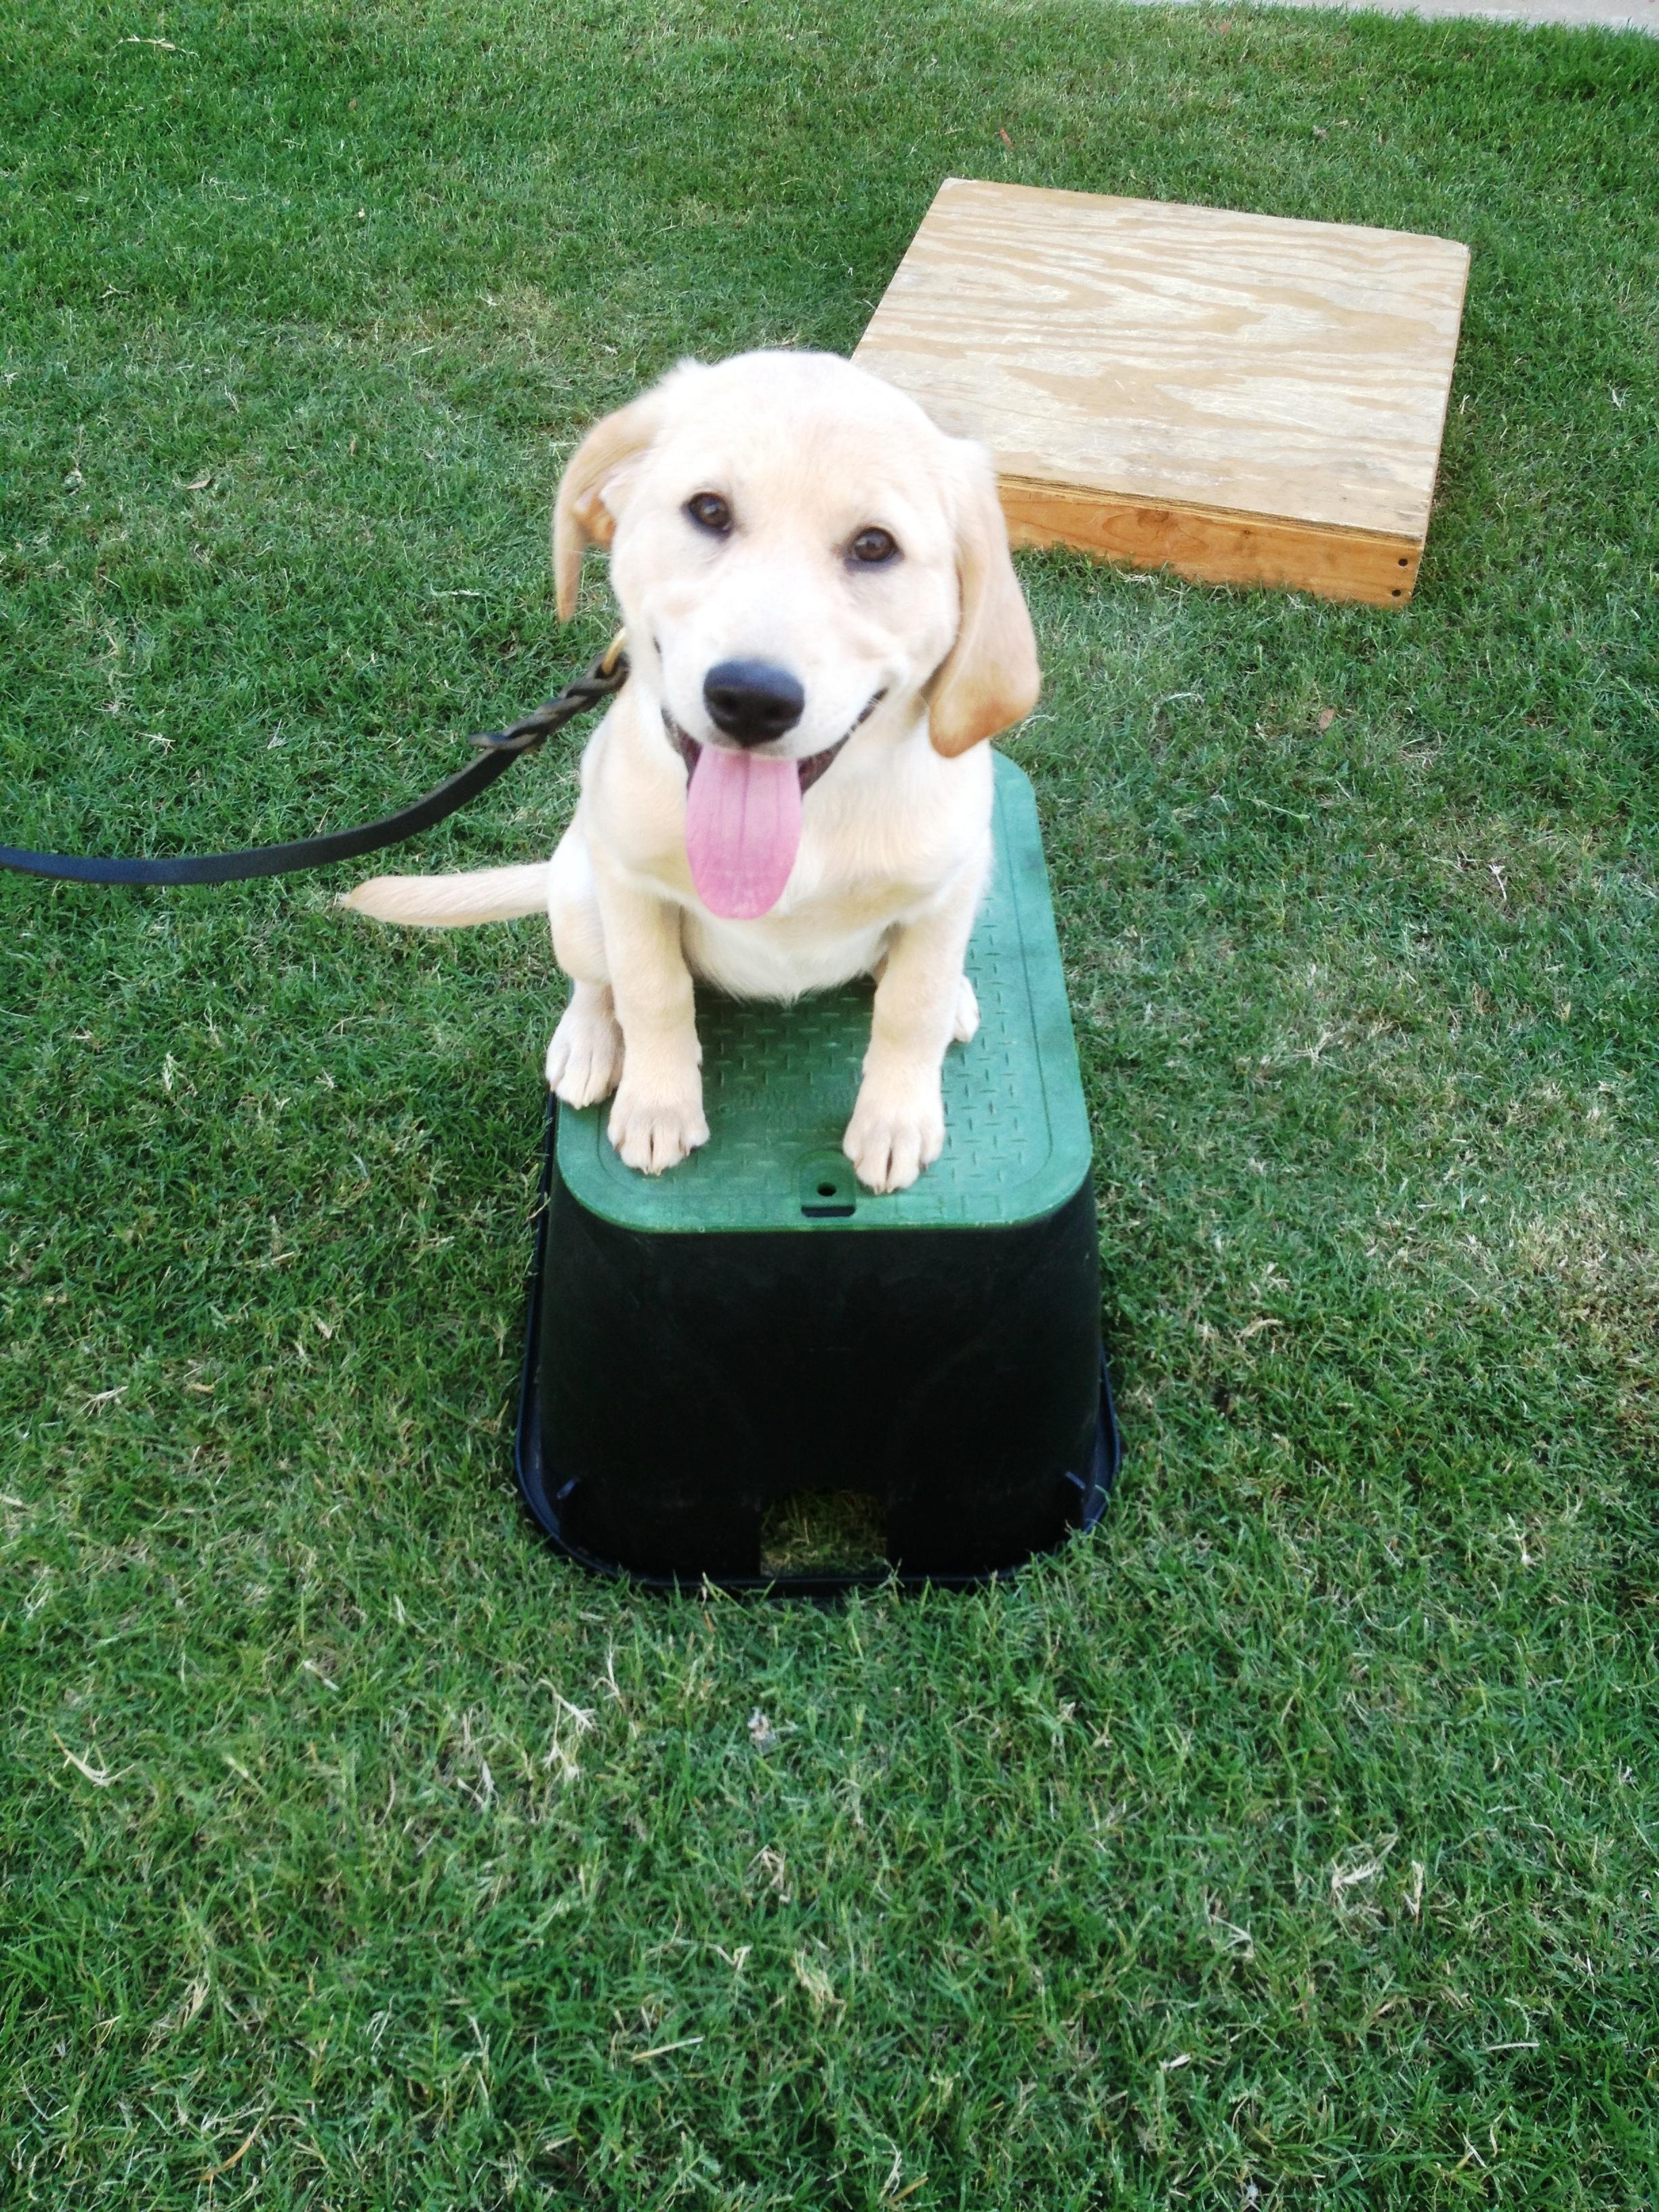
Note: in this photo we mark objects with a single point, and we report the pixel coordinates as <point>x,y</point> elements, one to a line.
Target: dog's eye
<point>709,512</point>
<point>872,547</point>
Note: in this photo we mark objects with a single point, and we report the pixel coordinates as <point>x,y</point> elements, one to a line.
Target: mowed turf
<point>1290,1841</point>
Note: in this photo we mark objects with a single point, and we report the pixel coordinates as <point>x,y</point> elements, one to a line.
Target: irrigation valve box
<point>705,1344</point>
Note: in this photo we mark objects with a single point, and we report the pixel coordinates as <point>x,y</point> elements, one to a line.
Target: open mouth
<point>743,819</point>
<point>689,748</point>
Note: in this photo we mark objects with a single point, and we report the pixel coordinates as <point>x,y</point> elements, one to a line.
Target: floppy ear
<point>594,476</point>
<point>990,677</point>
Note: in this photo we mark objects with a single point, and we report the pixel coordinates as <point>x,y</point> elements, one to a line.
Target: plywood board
<point>1243,397</point>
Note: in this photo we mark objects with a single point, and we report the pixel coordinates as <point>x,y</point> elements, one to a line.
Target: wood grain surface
<point>1171,374</point>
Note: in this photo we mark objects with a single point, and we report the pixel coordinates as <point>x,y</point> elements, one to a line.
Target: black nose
<point>752,701</point>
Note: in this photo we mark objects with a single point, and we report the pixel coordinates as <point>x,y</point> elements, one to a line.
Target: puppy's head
<point>794,542</point>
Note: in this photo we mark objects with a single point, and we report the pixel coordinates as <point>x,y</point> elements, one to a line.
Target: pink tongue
<point>742,830</point>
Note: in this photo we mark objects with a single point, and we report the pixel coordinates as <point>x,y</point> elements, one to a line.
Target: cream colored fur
<point>895,839</point>
<point>446,902</point>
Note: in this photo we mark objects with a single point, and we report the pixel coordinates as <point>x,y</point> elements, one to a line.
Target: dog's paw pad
<point>965,1022</point>
<point>585,1058</point>
<point>653,1134</point>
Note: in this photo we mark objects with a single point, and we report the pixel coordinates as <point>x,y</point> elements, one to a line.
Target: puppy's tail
<point>452,902</point>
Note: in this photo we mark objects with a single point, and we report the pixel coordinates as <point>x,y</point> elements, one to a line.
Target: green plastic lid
<point>779,1084</point>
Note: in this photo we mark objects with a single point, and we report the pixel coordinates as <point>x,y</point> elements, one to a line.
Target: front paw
<point>652,1132</point>
<point>585,1060</point>
<point>898,1129</point>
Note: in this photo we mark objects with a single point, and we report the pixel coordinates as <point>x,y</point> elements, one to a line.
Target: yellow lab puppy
<point>823,624</point>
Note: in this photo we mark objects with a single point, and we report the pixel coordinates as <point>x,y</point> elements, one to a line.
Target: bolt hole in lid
<point>779,1081</point>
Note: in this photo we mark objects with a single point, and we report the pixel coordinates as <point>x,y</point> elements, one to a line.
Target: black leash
<point>497,750</point>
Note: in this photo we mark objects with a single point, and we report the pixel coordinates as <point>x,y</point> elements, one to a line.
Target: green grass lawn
<point>1290,1841</point>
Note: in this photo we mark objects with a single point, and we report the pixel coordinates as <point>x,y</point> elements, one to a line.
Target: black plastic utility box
<point>704,1346</point>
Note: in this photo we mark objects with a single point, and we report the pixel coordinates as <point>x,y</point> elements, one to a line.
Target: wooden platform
<point>1241,398</point>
